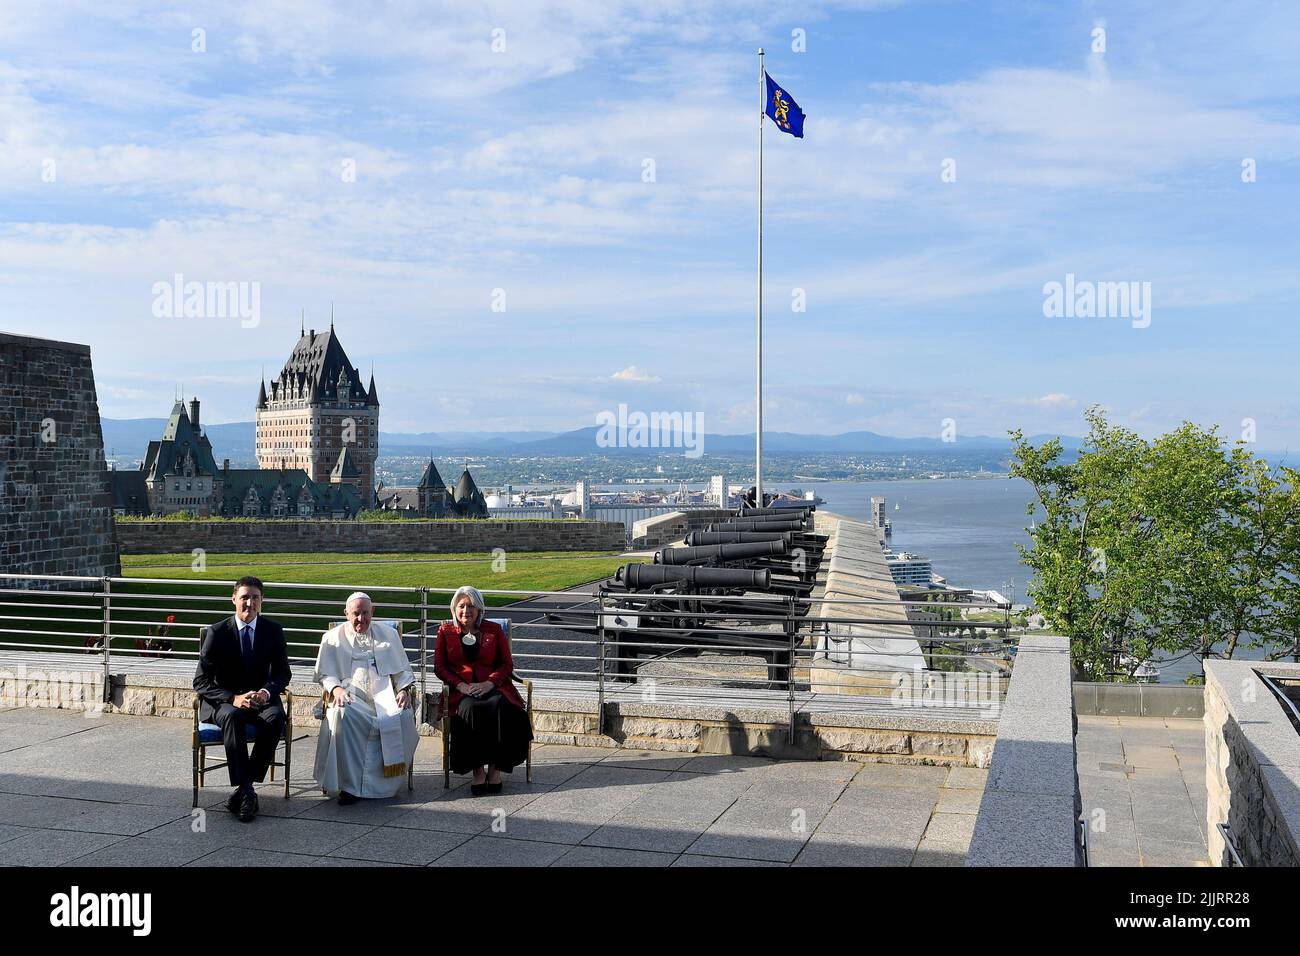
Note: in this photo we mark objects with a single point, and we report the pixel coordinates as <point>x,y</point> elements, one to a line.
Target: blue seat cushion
<point>211,733</point>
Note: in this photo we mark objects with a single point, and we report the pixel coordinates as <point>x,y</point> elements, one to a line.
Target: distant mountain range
<point>236,440</point>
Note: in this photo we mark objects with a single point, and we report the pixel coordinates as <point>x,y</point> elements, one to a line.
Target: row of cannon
<point>715,590</point>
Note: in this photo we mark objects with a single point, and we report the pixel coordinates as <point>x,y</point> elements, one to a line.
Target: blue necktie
<point>246,644</point>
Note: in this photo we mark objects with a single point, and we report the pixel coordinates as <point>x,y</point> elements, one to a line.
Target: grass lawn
<point>525,571</point>
<point>192,604</point>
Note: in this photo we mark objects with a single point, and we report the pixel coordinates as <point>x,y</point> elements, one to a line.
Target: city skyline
<point>952,168</point>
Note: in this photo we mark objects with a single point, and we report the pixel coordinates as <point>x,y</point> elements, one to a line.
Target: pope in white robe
<point>368,737</point>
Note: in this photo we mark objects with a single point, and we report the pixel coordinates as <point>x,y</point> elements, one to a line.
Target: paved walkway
<point>114,790</point>
<point>1142,782</point>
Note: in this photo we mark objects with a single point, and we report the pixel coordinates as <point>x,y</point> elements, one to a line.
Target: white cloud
<point>634,374</point>
<point>1056,400</point>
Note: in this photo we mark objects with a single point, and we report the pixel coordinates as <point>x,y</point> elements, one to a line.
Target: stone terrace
<point>1145,777</point>
<point>114,790</point>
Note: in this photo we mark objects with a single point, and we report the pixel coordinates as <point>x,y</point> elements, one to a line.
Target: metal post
<point>789,673</point>
<point>424,654</point>
<point>104,637</point>
<point>600,660</point>
<point>758,319</point>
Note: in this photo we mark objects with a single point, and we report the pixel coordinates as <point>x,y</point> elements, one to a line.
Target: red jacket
<point>494,662</point>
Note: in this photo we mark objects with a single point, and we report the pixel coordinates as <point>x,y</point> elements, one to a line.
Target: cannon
<point>641,577</point>
<point>747,524</point>
<point>700,538</point>
<point>790,515</point>
<point>721,553</point>
<point>659,619</point>
<point>793,572</point>
<point>801,510</point>
<point>813,546</point>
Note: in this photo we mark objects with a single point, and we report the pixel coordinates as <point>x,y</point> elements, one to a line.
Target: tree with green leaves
<point>1181,545</point>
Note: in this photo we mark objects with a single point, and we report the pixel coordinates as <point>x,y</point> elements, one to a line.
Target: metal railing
<point>1283,698</point>
<point>1234,858</point>
<point>759,650</point>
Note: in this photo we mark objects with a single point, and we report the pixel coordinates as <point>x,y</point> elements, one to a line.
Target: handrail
<point>1277,691</point>
<point>747,642</point>
<point>1226,832</point>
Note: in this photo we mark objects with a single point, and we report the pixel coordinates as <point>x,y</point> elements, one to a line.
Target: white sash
<point>390,730</point>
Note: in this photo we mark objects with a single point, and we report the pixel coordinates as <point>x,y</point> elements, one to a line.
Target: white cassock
<point>365,747</point>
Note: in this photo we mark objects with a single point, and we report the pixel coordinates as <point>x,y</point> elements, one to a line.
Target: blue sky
<point>522,169</point>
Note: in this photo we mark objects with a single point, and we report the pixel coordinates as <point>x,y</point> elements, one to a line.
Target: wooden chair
<point>411,692</point>
<point>444,708</point>
<point>204,736</point>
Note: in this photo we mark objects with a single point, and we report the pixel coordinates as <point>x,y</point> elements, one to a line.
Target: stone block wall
<point>434,537</point>
<point>1252,765</point>
<point>565,717</point>
<point>56,503</point>
<point>666,528</point>
<point>683,728</point>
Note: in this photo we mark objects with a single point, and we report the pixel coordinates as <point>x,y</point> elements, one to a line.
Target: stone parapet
<point>1252,765</point>
<point>1028,815</point>
<point>365,537</point>
<point>563,716</point>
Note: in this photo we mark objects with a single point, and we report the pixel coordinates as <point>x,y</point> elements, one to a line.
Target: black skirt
<point>491,731</point>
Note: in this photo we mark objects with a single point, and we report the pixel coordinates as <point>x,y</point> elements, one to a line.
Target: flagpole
<point>758,384</point>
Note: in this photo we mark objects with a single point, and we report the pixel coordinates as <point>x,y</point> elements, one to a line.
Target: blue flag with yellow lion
<point>783,109</point>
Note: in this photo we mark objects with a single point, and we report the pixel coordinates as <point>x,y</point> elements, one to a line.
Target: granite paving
<point>1142,786</point>
<point>115,790</point>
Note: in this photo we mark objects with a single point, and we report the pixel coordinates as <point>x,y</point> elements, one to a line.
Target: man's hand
<point>341,697</point>
<point>260,698</point>
<point>402,699</point>
<point>480,688</point>
<point>244,701</point>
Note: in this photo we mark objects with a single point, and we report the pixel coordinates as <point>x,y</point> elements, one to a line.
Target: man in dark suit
<point>243,667</point>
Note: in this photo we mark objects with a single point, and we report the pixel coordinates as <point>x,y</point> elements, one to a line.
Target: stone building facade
<point>179,473</point>
<point>318,416</point>
<point>283,493</point>
<point>56,502</point>
<point>179,469</point>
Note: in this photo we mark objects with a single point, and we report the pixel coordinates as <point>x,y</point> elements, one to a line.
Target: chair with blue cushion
<point>209,735</point>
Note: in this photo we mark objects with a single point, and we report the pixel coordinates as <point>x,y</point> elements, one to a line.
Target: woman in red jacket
<point>489,724</point>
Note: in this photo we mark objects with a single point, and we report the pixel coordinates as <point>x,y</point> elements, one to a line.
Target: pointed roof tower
<point>318,361</point>
<point>470,502</point>
<point>465,487</point>
<point>345,469</point>
<point>431,478</point>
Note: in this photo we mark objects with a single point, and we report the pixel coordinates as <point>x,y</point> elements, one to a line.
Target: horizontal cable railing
<point>778,649</point>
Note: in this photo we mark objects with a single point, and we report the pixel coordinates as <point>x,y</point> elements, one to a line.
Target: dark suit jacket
<point>221,673</point>
<point>494,662</point>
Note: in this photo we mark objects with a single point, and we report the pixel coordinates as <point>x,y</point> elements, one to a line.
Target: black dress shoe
<point>235,800</point>
<point>493,787</point>
<point>478,789</point>
<point>346,799</point>
<point>248,807</point>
